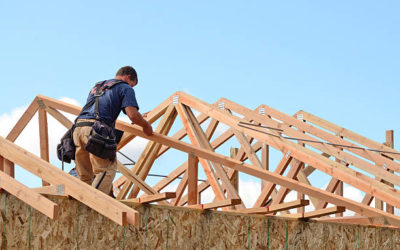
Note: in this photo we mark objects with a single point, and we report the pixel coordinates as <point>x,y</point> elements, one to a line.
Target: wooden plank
<point>283,191</point>
<point>30,197</point>
<point>317,213</point>
<point>263,174</point>
<point>135,179</point>
<point>151,198</point>
<point>275,208</point>
<point>349,134</point>
<point>51,190</point>
<point>201,138</point>
<point>163,128</point>
<point>23,121</point>
<point>390,143</point>
<point>268,189</point>
<point>359,220</point>
<point>152,116</point>
<point>218,204</point>
<point>59,117</point>
<point>265,162</point>
<point>9,168</point>
<point>147,158</point>
<point>43,138</point>
<point>1,163</point>
<point>79,190</point>
<point>190,130</point>
<point>171,177</point>
<point>182,133</point>
<point>235,175</point>
<point>192,170</point>
<point>180,189</point>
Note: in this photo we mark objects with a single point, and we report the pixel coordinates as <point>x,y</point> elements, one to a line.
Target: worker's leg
<point>82,159</point>
<point>99,166</point>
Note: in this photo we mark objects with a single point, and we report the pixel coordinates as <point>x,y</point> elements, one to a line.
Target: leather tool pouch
<point>66,148</point>
<point>102,142</point>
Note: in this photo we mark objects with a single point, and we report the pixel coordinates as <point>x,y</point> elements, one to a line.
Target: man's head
<point>127,74</point>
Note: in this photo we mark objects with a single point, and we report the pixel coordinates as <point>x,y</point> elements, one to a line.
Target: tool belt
<point>102,141</point>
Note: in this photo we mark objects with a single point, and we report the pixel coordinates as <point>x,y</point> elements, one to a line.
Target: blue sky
<point>338,60</point>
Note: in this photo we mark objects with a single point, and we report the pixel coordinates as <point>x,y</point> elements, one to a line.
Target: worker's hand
<point>144,115</point>
<point>148,130</point>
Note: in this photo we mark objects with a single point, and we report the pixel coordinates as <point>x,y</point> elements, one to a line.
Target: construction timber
<point>308,145</point>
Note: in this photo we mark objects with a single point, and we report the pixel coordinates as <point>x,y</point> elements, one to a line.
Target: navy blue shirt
<point>111,103</point>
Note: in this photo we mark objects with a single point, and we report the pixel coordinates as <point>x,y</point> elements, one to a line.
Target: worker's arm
<point>138,119</point>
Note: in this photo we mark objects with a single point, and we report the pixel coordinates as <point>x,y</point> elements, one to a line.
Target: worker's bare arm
<point>138,119</point>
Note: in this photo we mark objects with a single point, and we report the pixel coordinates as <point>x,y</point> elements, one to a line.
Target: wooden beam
<point>43,138</point>
<point>23,121</point>
<point>59,117</point>
<point>218,204</point>
<point>349,134</point>
<point>143,167</point>
<point>390,143</point>
<point>235,175</point>
<point>151,198</point>
<point>192,170</point>
<point>30,197</point>
<point>265,162</point>
<point>269,188</point>
<point>171,177</point>
<point>275,208</point>
<point>51,190</point>
<point>147,158</point>
<point>135,179</point>
<point>180,189</point>
<point>317,213</point>
<point>79,190</point>
<point>359,220</point>
<point>152,116</point>
<point>190,130</point>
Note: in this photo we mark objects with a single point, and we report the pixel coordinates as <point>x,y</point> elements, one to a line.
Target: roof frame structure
<point>308,145</point>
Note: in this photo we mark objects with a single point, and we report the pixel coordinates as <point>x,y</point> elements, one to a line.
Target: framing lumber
<point>51,190</point>
<point>86,194</point>
<point>147,158</point>
<point>349,134</point>
<point>163,128</point>
<point>192,170</point>
<point>317,213</point>
<point>217,204</point>
<point>151,198</point>
<point>276,208</point>
<point>181,188</point>
<point>43,138</point>
<point>30,197</point>
<point>190,130</point>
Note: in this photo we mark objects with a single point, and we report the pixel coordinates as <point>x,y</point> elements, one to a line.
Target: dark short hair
<point>127,70</point>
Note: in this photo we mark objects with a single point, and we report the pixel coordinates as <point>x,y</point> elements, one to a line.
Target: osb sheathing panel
<point>79,227</point>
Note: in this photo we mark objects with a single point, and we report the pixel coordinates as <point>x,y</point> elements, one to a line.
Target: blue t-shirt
<point>111,103</point>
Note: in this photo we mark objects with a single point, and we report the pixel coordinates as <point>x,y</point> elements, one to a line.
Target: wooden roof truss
<point>308,145</point>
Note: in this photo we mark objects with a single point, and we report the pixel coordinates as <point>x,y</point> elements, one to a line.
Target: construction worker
<point>120,96</point>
